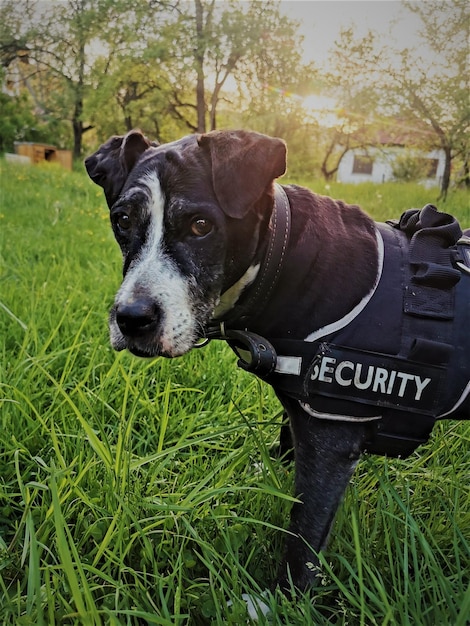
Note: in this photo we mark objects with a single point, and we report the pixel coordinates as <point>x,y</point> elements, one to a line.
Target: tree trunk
<point>329,172</point>
<point>466,173</point>
<point>78,90</point>
<point>78,129</point>
<point>128,122</point>
<point>77,125</point>
<point>199,58</point>
<point>446,175</point>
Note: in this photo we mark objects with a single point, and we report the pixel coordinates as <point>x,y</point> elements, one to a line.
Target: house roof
<point>398,132</point>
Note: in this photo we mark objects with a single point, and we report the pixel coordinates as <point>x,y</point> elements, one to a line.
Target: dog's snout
<point>137,316</point>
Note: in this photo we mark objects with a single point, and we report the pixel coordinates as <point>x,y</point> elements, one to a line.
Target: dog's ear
<point>110,165</point>
<point>244,165</point>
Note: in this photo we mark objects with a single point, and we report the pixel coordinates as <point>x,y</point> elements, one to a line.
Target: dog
<point>361,328</point>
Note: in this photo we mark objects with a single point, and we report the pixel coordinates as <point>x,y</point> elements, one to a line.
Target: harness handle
<point>255,353</point>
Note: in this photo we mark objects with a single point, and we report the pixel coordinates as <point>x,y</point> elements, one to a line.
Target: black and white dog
<point>361,328</point>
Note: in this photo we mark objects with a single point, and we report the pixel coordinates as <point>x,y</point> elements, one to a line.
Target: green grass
<point>144,492</point>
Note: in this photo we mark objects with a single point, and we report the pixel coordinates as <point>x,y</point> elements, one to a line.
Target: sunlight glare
<point>321,109</point>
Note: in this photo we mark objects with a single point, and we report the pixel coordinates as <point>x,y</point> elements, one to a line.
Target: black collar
<point>258,293</point>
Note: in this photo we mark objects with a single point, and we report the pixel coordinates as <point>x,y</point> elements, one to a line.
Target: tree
<point>14,23</point>
<point>215,45</point>
<point>55,37</point>
<point>18,123</point>
<point>438,87</point>
<point>166,66</point>
<point>62,41</point>
<point>428,84</point>
<point>350,82</point>
<point>134,91</point>
<point>132,84</point>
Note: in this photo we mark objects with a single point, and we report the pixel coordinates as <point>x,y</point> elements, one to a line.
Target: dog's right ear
<point>244,166</point>
<point>111,164</point>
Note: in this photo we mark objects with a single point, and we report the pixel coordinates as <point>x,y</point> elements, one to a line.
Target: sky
<point>321,21</point>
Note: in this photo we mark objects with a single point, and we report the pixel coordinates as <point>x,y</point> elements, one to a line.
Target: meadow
<point>147,492</point>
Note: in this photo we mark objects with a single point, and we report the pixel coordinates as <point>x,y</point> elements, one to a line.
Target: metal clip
<point>202,342</point>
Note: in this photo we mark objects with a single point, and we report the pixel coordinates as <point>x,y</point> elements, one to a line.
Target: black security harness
<point>351,370</point>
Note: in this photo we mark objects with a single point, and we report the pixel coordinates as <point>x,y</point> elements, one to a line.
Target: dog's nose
<point>137,316</point>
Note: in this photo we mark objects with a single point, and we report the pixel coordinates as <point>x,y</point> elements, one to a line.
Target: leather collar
<point>258,293</point>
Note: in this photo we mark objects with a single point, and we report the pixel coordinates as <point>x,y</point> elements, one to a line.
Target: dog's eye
<point>201,227</point>
<point>123,221</point>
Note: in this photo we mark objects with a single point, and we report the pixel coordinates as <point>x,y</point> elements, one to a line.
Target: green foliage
<point>389,200</point>
<point>115,65</point>
<point>18,123</point>
<point>144,492</point>
<point>407,167</point>
<point>95,68</point>
<point>426,85</point>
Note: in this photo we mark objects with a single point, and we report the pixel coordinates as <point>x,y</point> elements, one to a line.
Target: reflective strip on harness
<point>362,377</point>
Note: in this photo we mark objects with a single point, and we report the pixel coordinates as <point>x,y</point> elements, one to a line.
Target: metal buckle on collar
<point>202,342</point>
<point>215,330</point>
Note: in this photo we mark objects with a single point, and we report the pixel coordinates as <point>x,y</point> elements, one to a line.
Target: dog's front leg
<point>326,453</point>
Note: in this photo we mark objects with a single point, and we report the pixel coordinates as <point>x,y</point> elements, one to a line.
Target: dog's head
<point>188,217</point>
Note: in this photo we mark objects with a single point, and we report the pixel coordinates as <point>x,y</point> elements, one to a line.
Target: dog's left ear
<point>244,164</point>
<point>111,164</point>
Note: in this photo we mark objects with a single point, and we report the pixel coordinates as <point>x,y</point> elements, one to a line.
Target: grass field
<point>144,492</point>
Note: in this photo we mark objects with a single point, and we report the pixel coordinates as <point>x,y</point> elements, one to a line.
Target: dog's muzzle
<point>147,329</point>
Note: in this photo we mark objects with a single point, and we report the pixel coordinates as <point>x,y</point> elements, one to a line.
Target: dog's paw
<point>255,605</point>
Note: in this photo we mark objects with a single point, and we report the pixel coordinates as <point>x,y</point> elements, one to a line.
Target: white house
<point>375,164</point>
<point>391,146</point>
